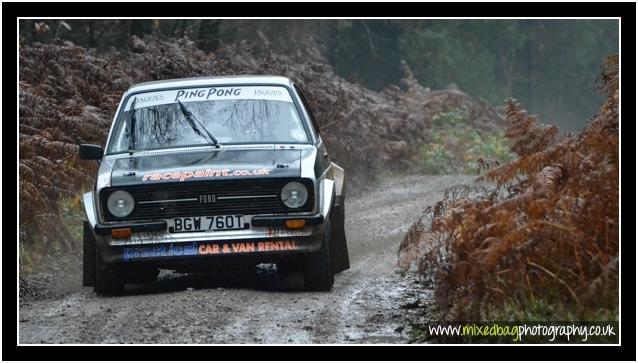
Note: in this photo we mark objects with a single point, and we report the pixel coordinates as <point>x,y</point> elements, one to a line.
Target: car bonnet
<point>207,165</point>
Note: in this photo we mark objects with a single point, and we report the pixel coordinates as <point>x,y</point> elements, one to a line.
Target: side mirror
<point>91,152</point>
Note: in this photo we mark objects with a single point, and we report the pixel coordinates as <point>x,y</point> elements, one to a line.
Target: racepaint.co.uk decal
<point>184,175</point>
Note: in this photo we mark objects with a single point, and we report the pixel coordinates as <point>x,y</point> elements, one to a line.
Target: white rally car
<point>210,173</point>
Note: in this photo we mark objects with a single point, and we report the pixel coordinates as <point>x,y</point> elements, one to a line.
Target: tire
<point>108,277</point>
<point>318,274</point>
<point>88,256</point>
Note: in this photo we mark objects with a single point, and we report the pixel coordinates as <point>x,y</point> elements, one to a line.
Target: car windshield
<point>231,115</point>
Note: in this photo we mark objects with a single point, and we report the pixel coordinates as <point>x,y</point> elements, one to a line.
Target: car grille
<point>247,197</point>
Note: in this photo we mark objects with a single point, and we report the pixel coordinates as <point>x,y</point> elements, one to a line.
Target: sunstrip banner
<point>185,95</point>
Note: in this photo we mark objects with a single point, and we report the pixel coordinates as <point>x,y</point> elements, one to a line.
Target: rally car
<point>212,173</point>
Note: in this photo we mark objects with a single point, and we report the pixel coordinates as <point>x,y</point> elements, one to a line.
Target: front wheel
<point>317,265</point>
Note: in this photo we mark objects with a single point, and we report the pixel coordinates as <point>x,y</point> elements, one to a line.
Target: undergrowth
<point>456,146</point>
<point>68,95</point>
<point>542,243</point>
<point>36,251</point>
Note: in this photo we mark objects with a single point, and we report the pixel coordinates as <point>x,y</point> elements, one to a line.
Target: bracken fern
<point>549,230</point>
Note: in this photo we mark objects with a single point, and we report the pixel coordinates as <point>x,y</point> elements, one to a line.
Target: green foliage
<point>71,215</point>
<point>36,248</point>
<point>456,145</point>
<point>451,118</point>
<point>544,308</point>
<point>489,145</point>
<point>366,51</point>
<point>438,58</point>
<point>437,159</point>
<point>31,254</point>
<point>550,65</point>
<point>544,242</point>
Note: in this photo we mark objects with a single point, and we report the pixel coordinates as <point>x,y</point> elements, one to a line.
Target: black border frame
<point>627,351</point>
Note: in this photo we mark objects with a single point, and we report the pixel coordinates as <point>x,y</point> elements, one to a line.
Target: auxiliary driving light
<point>121,233</point>
<point>295,223</point>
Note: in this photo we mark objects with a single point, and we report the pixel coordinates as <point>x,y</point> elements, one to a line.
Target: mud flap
<point>88,256</point>
<point>338,247</point>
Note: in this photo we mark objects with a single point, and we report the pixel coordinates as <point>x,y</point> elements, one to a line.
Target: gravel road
<point>367,304</point>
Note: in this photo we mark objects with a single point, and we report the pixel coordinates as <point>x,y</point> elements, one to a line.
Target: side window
<point>307,107</point>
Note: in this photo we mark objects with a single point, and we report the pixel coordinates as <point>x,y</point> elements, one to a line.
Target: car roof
<point>211,81</point>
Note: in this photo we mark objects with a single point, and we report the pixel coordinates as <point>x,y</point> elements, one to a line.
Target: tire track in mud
<point>363,307</point>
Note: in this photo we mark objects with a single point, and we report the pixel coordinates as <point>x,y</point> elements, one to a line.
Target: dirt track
<point>363,307</point>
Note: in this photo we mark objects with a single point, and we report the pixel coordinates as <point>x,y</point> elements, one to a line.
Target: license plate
<point>201,224</point>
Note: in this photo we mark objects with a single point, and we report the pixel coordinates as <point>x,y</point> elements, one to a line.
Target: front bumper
<point>164,246</point>
<point>264,237</point>
<point>159,226</point>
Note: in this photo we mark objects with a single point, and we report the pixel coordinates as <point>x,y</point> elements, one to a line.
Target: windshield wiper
<point>191,120</point>
<point>131,127</point>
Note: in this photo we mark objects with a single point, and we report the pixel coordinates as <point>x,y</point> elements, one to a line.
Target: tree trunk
<point>175,24</point>
<point>141,27</point>
<point>91,34</point>
<point>208,37</point>
<point>529,64</point>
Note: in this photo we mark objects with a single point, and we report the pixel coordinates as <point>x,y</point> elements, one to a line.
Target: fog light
<point>121,233</point>
<point>295,223</point>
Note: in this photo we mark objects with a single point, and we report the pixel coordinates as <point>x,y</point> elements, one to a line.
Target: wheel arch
<point>339,247</point>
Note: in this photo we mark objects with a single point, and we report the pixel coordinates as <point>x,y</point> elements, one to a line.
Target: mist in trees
<point>549,65</point>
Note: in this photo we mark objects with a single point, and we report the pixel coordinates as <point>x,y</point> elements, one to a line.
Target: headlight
<point>120,203</point>
<point>294,195</point>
